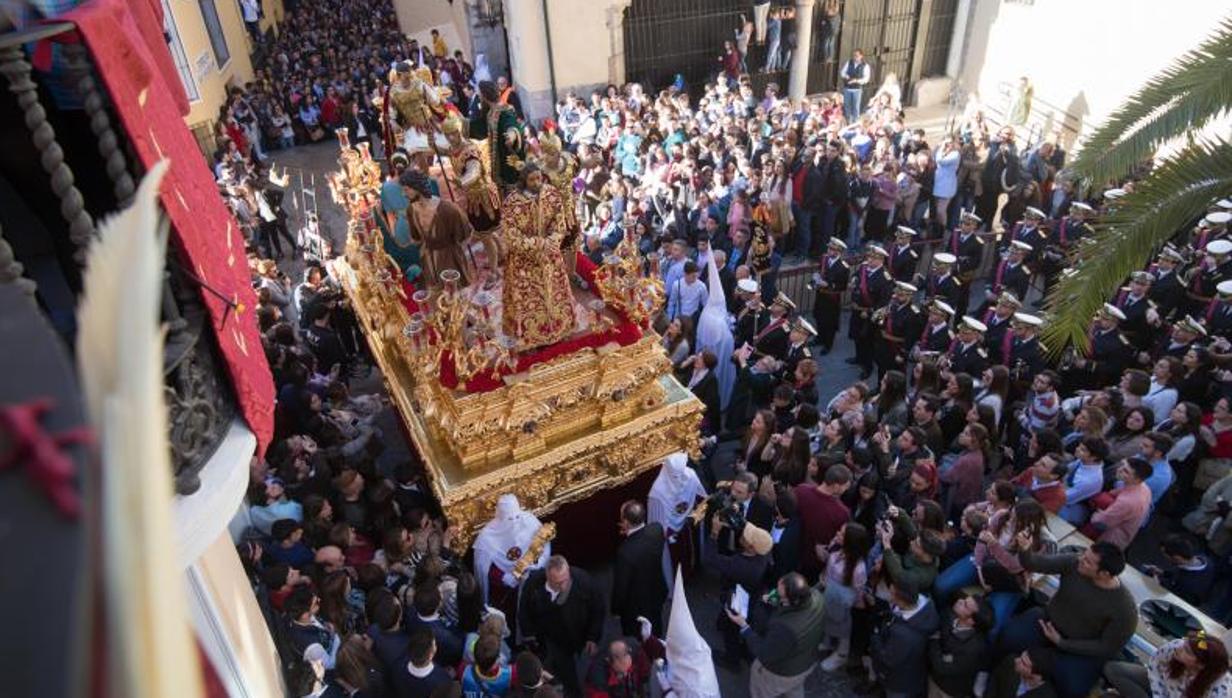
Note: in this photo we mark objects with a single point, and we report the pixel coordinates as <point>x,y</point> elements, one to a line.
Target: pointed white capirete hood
<point>714,333</point>
<point>689,666</point>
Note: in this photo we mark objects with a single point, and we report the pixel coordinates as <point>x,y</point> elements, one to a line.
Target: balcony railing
<point>47,175</point>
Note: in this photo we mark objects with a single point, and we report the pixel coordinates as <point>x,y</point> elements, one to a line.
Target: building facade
<point>212,50</point>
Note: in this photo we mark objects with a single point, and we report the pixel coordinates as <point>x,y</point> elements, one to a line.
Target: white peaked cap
<point>690,667</point>
<point>1220,246</point>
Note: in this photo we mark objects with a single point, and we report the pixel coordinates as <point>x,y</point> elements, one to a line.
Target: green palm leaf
<point>1160,205</point>
<point>1186,96</point>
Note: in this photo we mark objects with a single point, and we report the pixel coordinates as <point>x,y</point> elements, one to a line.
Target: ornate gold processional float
<point>552,425</point>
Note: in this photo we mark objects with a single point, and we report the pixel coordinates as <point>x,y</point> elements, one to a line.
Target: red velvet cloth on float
<point>623,333</point>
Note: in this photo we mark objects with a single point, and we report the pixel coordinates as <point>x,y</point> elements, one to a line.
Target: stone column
<point>958,39</point>
<point>528,56</point>
<point>797,84</point>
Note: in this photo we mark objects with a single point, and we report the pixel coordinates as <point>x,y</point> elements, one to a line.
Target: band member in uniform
<point>997,338</point>
<point>829,284</point>
<point>1068,231</point>
<point>1216,267</point>
<point>1168,290</point>
<point>753,317</point>
<point>745,290</point>
<point>1026,352</point>
<point>1029,231</point>
<point>1073,227</point>
<point>772,339</point>
<point>799,334</point>
<point>903,258</point>
<point>967,353</point>
<point>1105,357</point>
<point>1214,226</point>
<point>968,248</point>
<point>1011,274</point>
<point>1141,317</point>
<point>872,290</point>
<point>936,335</point>
<point>1219,314</point>
<point>899,324</point>
<point>942,284</point>
<point>1186,332</point>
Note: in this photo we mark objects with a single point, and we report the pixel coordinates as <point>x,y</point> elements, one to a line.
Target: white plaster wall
<point>417,17</point>
<point>1084,56</point>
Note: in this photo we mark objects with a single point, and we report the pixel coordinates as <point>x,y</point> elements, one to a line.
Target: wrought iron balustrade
<point>43,169</point>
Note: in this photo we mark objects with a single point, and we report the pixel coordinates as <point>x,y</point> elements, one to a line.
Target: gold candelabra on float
<point>462,323</point>
<point>624,283</point>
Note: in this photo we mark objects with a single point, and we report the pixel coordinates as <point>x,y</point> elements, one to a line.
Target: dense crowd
<point>900,529</point>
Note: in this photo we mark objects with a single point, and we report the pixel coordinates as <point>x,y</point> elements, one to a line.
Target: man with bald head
<point>638,586</point>
<point>330,558</point>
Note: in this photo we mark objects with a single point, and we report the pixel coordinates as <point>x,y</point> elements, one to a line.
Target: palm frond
<point>1184,97</point>
<point>1173,195</point>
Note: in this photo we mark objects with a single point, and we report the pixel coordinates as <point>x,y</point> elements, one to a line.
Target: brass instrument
<point>541,538</point>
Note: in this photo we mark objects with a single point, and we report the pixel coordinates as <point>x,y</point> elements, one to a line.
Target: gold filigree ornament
<point>624,283</point>
<point>554,433</point>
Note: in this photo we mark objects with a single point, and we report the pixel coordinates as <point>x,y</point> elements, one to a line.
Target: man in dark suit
<point>562,611</point>
<point>638,586</point>
<point>1022,676</point>
<point>829,284</point>
<point>785,534</point>
<point>756,512</point>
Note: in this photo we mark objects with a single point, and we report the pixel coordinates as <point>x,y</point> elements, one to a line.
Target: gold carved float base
<point>588,421</point>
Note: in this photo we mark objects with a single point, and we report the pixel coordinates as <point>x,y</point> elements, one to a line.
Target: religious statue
<point>538,302</point>
<point>504,553</point>
<point>560,168</point>
<point>500,126</point>
<point>395,229</point>
<point>438,226</point>
<point>471,177</point>
<point>414,103</point>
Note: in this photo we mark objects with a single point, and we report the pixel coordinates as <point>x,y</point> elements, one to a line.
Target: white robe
<point>714,333</point>
<point>510,532</point>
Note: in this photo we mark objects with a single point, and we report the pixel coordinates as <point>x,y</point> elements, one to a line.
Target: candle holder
<point>449,281</point>
<point>623,283</point>
<point>598,322</point>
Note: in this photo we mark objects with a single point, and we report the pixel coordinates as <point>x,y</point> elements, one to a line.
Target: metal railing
<point>1043,120</point>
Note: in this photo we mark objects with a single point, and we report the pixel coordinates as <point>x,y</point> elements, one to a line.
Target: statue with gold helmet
<point>469,176</point>
<point>413,108</point>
